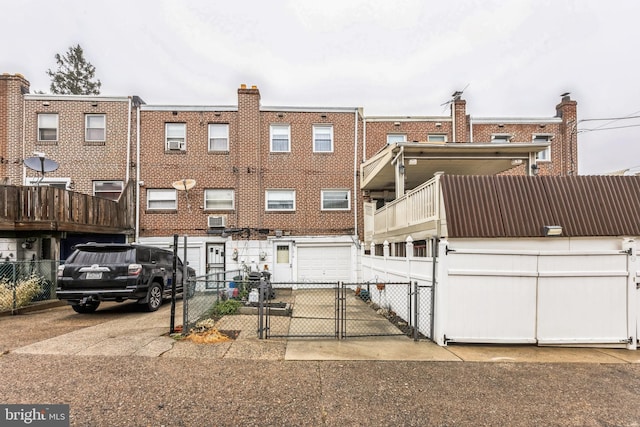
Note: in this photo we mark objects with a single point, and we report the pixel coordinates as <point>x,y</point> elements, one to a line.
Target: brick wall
<point>11,109</point>
<point>250,168</point>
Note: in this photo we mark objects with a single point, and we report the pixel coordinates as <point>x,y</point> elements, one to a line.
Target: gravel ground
<point>141,391</point>
<point>173,390</point>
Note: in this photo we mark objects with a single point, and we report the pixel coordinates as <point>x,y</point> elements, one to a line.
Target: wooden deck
<point>50,208</point>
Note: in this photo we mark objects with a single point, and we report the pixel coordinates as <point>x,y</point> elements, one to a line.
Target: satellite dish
<point>185,185</point>
<point>41,164</point>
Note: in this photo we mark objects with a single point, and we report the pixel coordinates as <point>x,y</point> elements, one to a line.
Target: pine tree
<point>75,75</point>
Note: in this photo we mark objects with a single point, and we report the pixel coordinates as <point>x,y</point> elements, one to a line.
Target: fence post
<point>416,309</point>
<point>261,291</point>
<point>15,285</point>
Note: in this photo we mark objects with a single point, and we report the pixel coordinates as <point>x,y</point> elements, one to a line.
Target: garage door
<point>324,263</point>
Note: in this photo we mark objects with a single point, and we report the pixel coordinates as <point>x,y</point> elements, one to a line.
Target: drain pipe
<point>127,173</point>
<point>355,176</point>
<point>138,173</point>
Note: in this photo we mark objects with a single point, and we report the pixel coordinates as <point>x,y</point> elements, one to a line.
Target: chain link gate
<point>345,310</point>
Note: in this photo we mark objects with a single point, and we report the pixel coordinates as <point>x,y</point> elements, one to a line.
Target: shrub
<point>26,290</point>
<point>224,308</point>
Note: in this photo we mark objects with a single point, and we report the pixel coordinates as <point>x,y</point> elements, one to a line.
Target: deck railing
<point>52,208</point>
<point>418,206</point>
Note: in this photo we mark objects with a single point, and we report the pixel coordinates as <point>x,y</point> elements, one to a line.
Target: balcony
<point>417,213</point>
<point>55,209</point>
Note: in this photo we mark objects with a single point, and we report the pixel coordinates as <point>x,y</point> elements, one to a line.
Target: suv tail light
<point>135,269</point>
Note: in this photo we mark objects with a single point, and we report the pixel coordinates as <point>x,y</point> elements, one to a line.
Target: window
<point>392,138</point>
<point>281,200</point>
<point>47,127</point>
<point>94,128</point>
<point>280,136</point>
<point>323,138</point>
<point>161,199</point>
<point>218,137</point>
<point>175,136</point>
<point>545,155</point>
<point>501,138</point>
<point>437,138</point>
<point>63,183</point>
<point>108,189</point>
<point>218,199</point>
<point>335,200</point>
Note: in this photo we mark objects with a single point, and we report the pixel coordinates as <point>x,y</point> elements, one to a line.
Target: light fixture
<point>401,169</point>
<point>413,162</point>
<point>516,162</point>
<point>535,169</point>
<point>552,230</point>
<point>278,233</point>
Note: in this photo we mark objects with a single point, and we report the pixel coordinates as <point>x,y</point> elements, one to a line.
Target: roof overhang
<point>422,160</point>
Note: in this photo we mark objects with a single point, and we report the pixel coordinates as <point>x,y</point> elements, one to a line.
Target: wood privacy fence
<point>52,208</point>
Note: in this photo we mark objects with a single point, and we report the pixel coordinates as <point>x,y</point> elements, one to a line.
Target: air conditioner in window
<point>175,144</point>
<point>217,221</point>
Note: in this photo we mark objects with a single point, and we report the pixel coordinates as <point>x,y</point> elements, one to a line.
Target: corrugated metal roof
<point>520,206</point>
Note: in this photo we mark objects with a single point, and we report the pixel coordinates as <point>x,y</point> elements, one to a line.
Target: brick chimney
<point>250,200</point>
<point>459,117</point>
<point>12,89</point>
<point>567,110</point>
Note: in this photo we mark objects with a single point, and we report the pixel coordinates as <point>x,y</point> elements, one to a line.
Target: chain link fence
<point>25,282</point>
<point>204,293</point>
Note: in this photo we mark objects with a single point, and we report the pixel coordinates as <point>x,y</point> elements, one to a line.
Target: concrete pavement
<point>134,333</point>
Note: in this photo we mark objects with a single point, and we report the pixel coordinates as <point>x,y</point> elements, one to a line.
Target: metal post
<point>173,285</point>
<point>15,285</point>
<point>261,289</point>
<point>416,309</point>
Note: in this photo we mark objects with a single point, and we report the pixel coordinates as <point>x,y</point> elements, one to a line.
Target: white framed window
<point>437,137</point>
<point>175,136</point>
<point>323,138</point>
<point>280,136</point>
<point>218,137</point>
<point>218,199</point>
<point>64,183</point>
<point>392,138</point>
<point>335,200</point>
<point>501,138</point>
<point>108,189</point>
<point>47,127</point>
<point>95,127</point>
<point>280,200</point>
<point>543,156</point>
<point>161,198</point>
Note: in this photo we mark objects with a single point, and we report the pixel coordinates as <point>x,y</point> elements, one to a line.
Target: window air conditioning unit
<point>217,221</point>
<point>175,144</point>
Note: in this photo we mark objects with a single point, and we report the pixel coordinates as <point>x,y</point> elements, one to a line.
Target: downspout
<point>364,139</point>
<point>453,119</point>
<point>356,193</point>
<point>138,173</point>
<point>128,165</point>
<point>470,129</point>
<point>24,148</point>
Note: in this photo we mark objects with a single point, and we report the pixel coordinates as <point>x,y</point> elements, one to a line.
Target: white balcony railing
<point>418,206</point>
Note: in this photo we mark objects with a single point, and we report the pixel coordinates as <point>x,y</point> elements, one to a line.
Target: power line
<point>609,128</point>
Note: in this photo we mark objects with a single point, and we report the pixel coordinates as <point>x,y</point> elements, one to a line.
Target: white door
<point>215,258</point>
<point>324,263</point>
<point>282,264</point>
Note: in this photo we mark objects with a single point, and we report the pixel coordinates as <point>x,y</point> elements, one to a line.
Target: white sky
<point>390,57</point>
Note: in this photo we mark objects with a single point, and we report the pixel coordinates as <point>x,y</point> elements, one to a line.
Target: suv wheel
<point>154,297</point>
<point>89,307</point>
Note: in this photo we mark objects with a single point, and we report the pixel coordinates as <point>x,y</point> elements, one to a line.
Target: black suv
<point>97,272</point>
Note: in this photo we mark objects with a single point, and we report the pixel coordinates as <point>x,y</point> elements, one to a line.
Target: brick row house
<point>266,187</point>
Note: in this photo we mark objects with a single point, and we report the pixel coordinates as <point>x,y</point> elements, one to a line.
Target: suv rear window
<point>88,256</point>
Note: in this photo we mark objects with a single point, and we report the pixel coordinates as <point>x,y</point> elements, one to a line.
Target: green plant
<point>26,290</point>
<point>224,308</point>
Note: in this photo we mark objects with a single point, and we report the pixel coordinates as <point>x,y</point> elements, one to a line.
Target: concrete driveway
<point>124,330</point>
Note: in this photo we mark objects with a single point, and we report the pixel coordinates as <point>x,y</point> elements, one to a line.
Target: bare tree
<point>75,75</point>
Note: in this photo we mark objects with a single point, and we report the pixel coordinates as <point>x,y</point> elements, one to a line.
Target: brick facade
<point>249,167</point>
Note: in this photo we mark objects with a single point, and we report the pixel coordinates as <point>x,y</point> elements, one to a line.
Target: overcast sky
<point>407,57</point>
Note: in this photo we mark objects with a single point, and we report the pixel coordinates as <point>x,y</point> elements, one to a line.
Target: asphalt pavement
<point>119,367</point>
